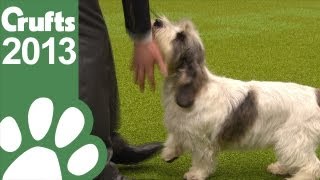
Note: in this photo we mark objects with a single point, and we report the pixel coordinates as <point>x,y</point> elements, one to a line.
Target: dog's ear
<point>185,95</point>
<point>188,67</point>
<point>185,90</point>
<point>190,80</point>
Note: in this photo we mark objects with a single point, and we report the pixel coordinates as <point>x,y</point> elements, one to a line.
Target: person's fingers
<point>150,75</point>
<point>160,62</point>
<point>141,78</point>
<point>162,67</point>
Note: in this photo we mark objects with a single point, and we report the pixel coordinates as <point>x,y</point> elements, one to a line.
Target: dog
<point>206,113</point>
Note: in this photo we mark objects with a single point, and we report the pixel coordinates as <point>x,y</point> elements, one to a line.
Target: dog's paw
<point>169,154</point>
<point>194,175</point>
<point>277,169</point>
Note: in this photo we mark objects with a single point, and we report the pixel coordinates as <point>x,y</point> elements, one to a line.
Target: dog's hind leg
<point>308,172</point>
<point>172,149</point>
<point>296,151</point>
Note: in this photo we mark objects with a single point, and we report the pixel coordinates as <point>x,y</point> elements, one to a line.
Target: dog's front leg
<point>172,149</point>
<point>203,163</point>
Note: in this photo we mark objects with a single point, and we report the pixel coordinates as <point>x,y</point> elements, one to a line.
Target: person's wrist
<point>143,41</point>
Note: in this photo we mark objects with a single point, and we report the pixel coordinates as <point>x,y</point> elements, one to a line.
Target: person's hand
<point>146,55</point>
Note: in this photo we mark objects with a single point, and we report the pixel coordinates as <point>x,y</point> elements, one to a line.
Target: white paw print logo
<point>70,151</point>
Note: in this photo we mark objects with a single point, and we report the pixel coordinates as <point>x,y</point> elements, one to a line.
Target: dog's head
<point>183,52</point>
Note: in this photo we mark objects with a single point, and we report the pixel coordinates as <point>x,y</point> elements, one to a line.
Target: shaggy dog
<point>205,113</point>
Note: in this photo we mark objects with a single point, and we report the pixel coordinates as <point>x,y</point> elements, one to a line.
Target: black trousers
<point>97,79</point>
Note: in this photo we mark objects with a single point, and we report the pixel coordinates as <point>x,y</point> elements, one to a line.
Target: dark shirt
<point>136,13</point>
<point>137,18</point>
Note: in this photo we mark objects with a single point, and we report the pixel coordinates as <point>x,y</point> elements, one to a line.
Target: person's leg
<point>98,86</point>
<point>97,82</point>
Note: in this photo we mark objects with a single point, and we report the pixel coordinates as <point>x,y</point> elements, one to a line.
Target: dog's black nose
<point>158,23</point>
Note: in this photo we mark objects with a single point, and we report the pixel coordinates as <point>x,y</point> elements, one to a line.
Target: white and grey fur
<point>206,113</point>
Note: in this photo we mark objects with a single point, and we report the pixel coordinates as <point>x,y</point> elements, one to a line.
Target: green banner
<point>44,127</point>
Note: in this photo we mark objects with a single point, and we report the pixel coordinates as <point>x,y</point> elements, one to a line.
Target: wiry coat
<point>205,113</point>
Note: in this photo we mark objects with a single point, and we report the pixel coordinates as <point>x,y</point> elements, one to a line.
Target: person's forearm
<point>137,19</point>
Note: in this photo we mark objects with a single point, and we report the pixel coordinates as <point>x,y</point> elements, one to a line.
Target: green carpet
<point>254,39</point>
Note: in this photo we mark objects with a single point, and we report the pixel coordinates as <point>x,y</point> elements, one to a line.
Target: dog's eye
<point>181,36</point>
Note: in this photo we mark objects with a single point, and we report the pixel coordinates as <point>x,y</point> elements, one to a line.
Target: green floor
<point>263,40</point>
